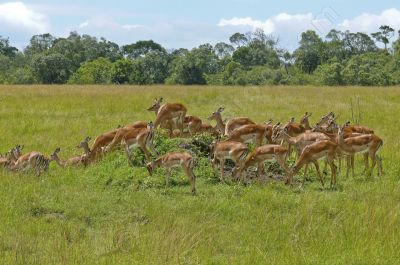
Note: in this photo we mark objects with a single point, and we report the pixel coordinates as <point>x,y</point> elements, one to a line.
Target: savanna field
<point>112,213</point>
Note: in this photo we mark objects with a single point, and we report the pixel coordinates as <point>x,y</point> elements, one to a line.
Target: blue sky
<point>180,23</point>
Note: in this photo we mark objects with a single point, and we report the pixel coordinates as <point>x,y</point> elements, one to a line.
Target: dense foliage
<point>254,58</point>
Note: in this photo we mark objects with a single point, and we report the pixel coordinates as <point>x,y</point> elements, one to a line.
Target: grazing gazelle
<point>236,151</point>
<point>175,159</point>
<point>168,115</point>
<point>311,154</point>
<point>269,152</point>
<point>365,143</point>
<point>142,138</point>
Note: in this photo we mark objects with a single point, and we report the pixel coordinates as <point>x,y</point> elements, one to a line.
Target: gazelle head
<point>280,134</point>
<point>150,167</point>
<point>15,152</point>
<point>54,155</point>
<point>341,128</point>
<point>269,122</point>
<point>216,114</point>
<point>156,105</point>
<point>325,118</point>
<point>304,119</point>
<point>85,145</point>
<point>150,126</point>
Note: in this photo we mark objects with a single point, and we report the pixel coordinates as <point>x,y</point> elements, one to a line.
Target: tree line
<point>253,58</point>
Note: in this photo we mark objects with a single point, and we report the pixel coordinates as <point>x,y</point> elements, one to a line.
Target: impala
<point>216,115</point>
<point>325,149</point>
<point>269,152</point>
<point>235,151</point>
<point>168,115</point>
<point>32,160</point>
<point>252,133</point>
<point>127,131</point>
<point>300,141</point>
<point>366,143</point>
<point>176,159</point>
<point>304,121</point>
<point>140,137</point>
<point>73,161</point>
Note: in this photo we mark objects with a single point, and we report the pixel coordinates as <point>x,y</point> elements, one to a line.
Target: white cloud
<point>289,27</point>
<point>18,16</point>
<point>105,23</point>
<point>368,22</point>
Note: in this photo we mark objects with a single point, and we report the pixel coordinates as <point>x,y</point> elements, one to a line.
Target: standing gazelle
<point>235,151</point>
<point>168,115</point>
<point>311,154</point>
<point>175,159</point>
<point>366,143</point>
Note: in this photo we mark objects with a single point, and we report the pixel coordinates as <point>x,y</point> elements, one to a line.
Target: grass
<point>110,213</point>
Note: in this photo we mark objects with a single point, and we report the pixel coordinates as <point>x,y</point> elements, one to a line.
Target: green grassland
<point>111,213</point>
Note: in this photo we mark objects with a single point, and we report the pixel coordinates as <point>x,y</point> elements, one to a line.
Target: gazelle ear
<point>285,129</point>
<point>160,100</point>
<point>220,109</point>
<point>309,115</point>
<point>58,149</point>
<point>87,139</point>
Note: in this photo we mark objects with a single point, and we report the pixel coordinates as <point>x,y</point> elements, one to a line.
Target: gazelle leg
<point>192,179</point>
<point>373,158</point>
<point>352,165</point>
<point>260,169</point>
<point>167,177</point>
<point>318,172</point>
<point>282,163</point>
<point>221,165</point>
<point>366,164</point>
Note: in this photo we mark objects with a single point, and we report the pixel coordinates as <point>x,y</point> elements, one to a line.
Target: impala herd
<point>272,142</point>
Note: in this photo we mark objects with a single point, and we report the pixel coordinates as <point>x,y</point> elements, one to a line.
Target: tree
<point>98,71</point>
<point>223,49</point>
<point>121,71</point>
<point>141,48</point>
<point>238,39</point>
<point>309,55</point>
<point>6,49</point>
<point>384,35</point>
<point>51,69</point>
<point>330,73</point>
<point>39,44</point>
<point>150,69</point>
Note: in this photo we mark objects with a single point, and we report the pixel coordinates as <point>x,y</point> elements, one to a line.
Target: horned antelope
<point>120,134</point>
<point>325,149</point>
<point>175,159</point>
<point>143,138</point>
<point>261,154</point>
<point>168,115</point>
<point>235,151</point>
<point>365,143</point>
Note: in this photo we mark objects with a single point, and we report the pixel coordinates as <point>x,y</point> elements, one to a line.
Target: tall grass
<point>110,213</point>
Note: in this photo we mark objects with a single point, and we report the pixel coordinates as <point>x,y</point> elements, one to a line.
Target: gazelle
<point>103,140</point>
<point>252,133</point>
<point>269,152</point>
<point>143,138</point>
<point>304,121</point>
<point>325,149</point>
<point>127,131</point>
<point>366,143</point>
<point>32,160</point>
<point>235,151</point>
<point>73,161</point>
<point>175,159</point>
<point>216,115</point>
<point>168,115</point>
<point>300,141</point>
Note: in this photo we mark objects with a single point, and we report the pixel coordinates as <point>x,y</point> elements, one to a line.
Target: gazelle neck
<point>59,162</point>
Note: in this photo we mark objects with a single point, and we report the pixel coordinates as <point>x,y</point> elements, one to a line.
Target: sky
<point>187,24</point>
